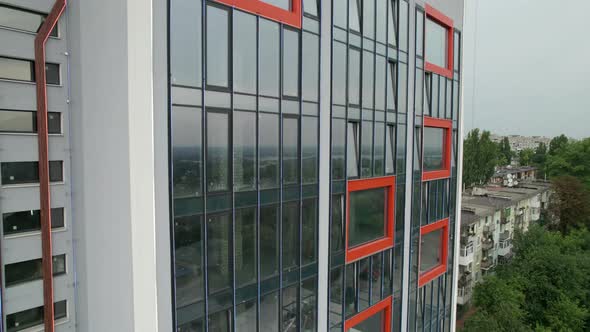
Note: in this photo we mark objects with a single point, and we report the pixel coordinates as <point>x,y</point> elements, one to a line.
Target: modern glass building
<point>229,165</point>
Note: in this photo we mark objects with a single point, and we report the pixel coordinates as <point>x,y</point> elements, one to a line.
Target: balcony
<point>466,255</point>
<point>487,244</point>
<point>466,279</point>
<point>487,263</point>
<point>489,229</point>
<point>464,295</point>
<point>504,220</point>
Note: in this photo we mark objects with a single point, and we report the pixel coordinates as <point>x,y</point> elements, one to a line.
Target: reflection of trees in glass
<point>269,256</point>
<point>309,149</point>
<point>269,150</point>
<point>337,223</point>
<point>433,148</point>
<point>290,150</point>
<point>188,267</point>
<point>218,252</point>
<point>290,228</point>
<point>245,252</point>
<point>338,148</point>
<point>244,151</point>
<point>308,250</point>
<point>367,216</point>
<point>186,172</point>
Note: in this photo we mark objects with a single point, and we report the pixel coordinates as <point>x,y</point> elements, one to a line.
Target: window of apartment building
<point>374,319</point>
<point>31,270</point>
<point>186,151</point>
<point>284,11</point>
<point>370,217</point>
<point>24,70</point>
<point>433,251</point>
<point>185,43</point>
<point>269,150</point>
<point>12,121</point>
<point>29,221</point>
<point>437,149</point>
<point>353,149</point>
<point>439,46</point>
<point>27,172</point>
<point>29,318</point>
<point>218,159</point>
<point>22,19</point>
<point>244,150</point>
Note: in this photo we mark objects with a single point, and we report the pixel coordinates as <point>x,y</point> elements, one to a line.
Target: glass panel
<point>389,149</point>
<point>218,252</point>
<point>309,152</point>
<point>379,148</point>
<point>371,324</point>
<point>401,149</point>
<point>22,272</point>
<point>290,314</point>
<point>433,148</point>
<point>354,76</point>
<point>337,223</point>
<point>21,19</point>
<point>309,229</point>
<point>402,87</point>
<point>368,73</point>
<point>419,102</point>
<point>354,16</point>
<point>367,216</point>
<point>310,7</point>
<point>15,69</point>
<point>339,74</point>
<point>381,18</point>
<point>311,61</point>
<point>269,241</point>
<point>217,151</point>
<point>436,43</point>
<point>363,277</point>
<point>26,122</point>
<point>376,278</point>
<point>220,321</point>
<point>338,142</point>
<point>308,305</point>
<point>27,172</point>
<point>244,151</point>
<point>284,4</point>
<point>29,221</point>
<point>188,267</point>
<point>457,41</point>
<point>246,317</point>
<point>290,229</point>
<point>380,73</point>
<point>340,13</point>
<point>430,250</point>
<point>52,73</point>
<point>369,18</point>
<point>335,305</point>
<point>419,33</point>
<point>186,151</point>
<point>269,58</point>
<point>391,37</point>
<point>185,42</point>
<point>244,27</point>
<point>217,46</point>
<point>290,63</point>
<point>245,252</point>
<point>25,319</point>
<point>352,149</point>
<point>391,86</point>
<point>269,150</point>
<point>350,290</point>
<point>290,150</point>
<point>367,148</point>
<point>269,312</point>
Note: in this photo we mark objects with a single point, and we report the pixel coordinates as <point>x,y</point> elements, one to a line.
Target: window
<point>218,252</point>
<point>310,7</point>
<point>290,240</point>
<point>370,224</point>
<point>309,149</point>
<point>377,318</point>
<point>186,151</point>
<point>24,70</point>
<point>309,231</point>
<point>366,148</point>
<point>218,47</point>
<point>245,246</point>
<point>244,151</point>
<point>354,76</point>
<point>439,43</point>
<point>269,53</point>
<point>433,250</point>
<point>269,150</point>
<point>269,241</point>
<point>368,73</point>
<point>352,150</point>
<point>27,172</point>
<point>389,149</point>
<point>391,86</point>
<point>244,39</point>
<point>284,11</point>
<point>310,71</point>
<point>290,150</point>
<point>290,63</point>
<point>29,221</point>
<point>185,43</point>
<point>217,151</point>
<point>354,16</point>
<point>369,18</point>
<point>339,128</point>
<point>436,149</point>
<point>31,270</point>
<point>26,122</point>
<point>22,19</point>
<point>378,166</point>
<point>391,31</point>
<point>188,249</point>
<point>25,319</point>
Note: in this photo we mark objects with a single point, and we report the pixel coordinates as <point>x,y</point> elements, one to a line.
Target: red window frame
<point>289,17</point>
<point>384,305</point>
<point>436,271</point>
<point>445,172</point>
<point>367,249</point>
<point>437,16</point>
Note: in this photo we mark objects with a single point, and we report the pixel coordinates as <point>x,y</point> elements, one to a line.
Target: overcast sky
<point>527,67</point>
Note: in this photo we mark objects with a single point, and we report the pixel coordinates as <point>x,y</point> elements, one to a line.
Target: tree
<point>557,144</point>
<point>505,150</point>
<point>569,207</point>
<point>480,156</point>
<point>570,158</point>
<point>525,157</point>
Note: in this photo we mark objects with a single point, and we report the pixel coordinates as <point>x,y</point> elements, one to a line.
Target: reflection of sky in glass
<point>436,43</point>
<point>430,250</point>
<point>433,148</point>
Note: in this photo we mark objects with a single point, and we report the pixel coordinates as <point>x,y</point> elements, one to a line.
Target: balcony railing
<point>487,244</point>
<point>487,264</point>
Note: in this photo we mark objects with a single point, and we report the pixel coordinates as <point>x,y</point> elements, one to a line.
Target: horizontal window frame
<point>34,117</point>
<point>33,78</point>
<point>11,284</point>
<point>54,33</point>
<point>445,172</point>
<point>291,17</point>
<point>447,23</point>
<point>440,269</point>
<point>381,306</point>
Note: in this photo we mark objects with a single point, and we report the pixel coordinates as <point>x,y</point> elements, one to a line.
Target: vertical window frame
<point>446,125</point>
<point>446,22</point>
<point>258,7</point>
<point>440,269</point>
<point>382,306</point>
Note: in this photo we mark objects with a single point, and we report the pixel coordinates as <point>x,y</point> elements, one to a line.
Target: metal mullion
<point>357,291</point>
<point>231,168</point>
<point>280,218</point>
<point>258,209</point>
<point>204,163</point>
<point>300,157</point>
<point>370,272</point>
<point>381,288</point>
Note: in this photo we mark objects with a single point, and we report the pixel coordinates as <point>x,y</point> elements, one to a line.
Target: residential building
<point>518,142</point>
<point>510,176</point>
<point>229,165</point>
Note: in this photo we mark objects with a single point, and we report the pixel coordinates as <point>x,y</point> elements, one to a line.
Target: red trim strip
<point>384,305</point>
<point>290,17</point>
<point>445,172</point>
<point>43,142</point>
<point>448,23</point>
<point>429,275</point>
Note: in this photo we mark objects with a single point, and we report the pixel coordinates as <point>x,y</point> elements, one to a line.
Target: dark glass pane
<point>185,42</point>
<point>339,74</point>
<point>371,324</point>
<point>436,43</point>
<point>381,18</point>
<point>340,13</point>
<point>186,151</point>
<point>367,216</point>
<point>387,273</point>
<point>336,288</point>
<point>246,317</point>
<point>26,122</point>
<point>401,149</point>
<point>391,31</point>
<point>391,86</point>
<point>22,19</point>
<point>290,314</point>
<point>15,69</point>
<point>352,149</point>
<point>376,278</point>
<point>309,236</point>
<point>417,149</point>
<point>244,151</point>
<point>403,25</point>
<point>290,229</point>
<point>290,63</point>
<point>220,321</point>
<point>308,305</point>
<point>245,246</point>
<point>338,146</point>
<point>350,297</point>
<point>283,4</point>
<point>379,166</point>
<point>244,27</point>
<point>430,250</point>
<point>419,33</point>
<point>218,252</point>
<point>369,18</point>
<point>380,77</point>
<point>354,75</point>
<point>269,241</point>
<point>368,79</point>
<point>217,46</point>
<point>217,151</point>
<point>367,148</point>
<point>419,100</point>
<point>187,265</point>
<point>363,277</point>
<point>389,149</point>
<point>433,148</point>
<point>311,62</point>
<point>402,87</point>
<point>337,223</point>
<point>354,15</point>
<point>25,172</point>
<point>309,153</point>
<point>269,58</point>
<point>52,73</point>
<point>29,221</point>
<point>310,7</point>
<point>269,150</point>
<point>290,150</point>
<point>269,312</point>
<point>22,272</point>
<point>26,319</point>
<point>457,42</point>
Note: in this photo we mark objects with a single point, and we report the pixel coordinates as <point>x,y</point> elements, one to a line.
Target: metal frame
<point>437,16</point>
<point>261,8</point>
<point>439,270</point>
<point>445,172</point>
<point>384,306</point>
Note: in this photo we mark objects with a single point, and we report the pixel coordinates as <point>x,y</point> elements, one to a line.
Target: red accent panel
<point>429,275</point>
<point>448,141</point>
<point>447,22</point>
<point>290,17</point>
<point>384,305</point>
<point>44,191</point>
<point>368,249</point>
